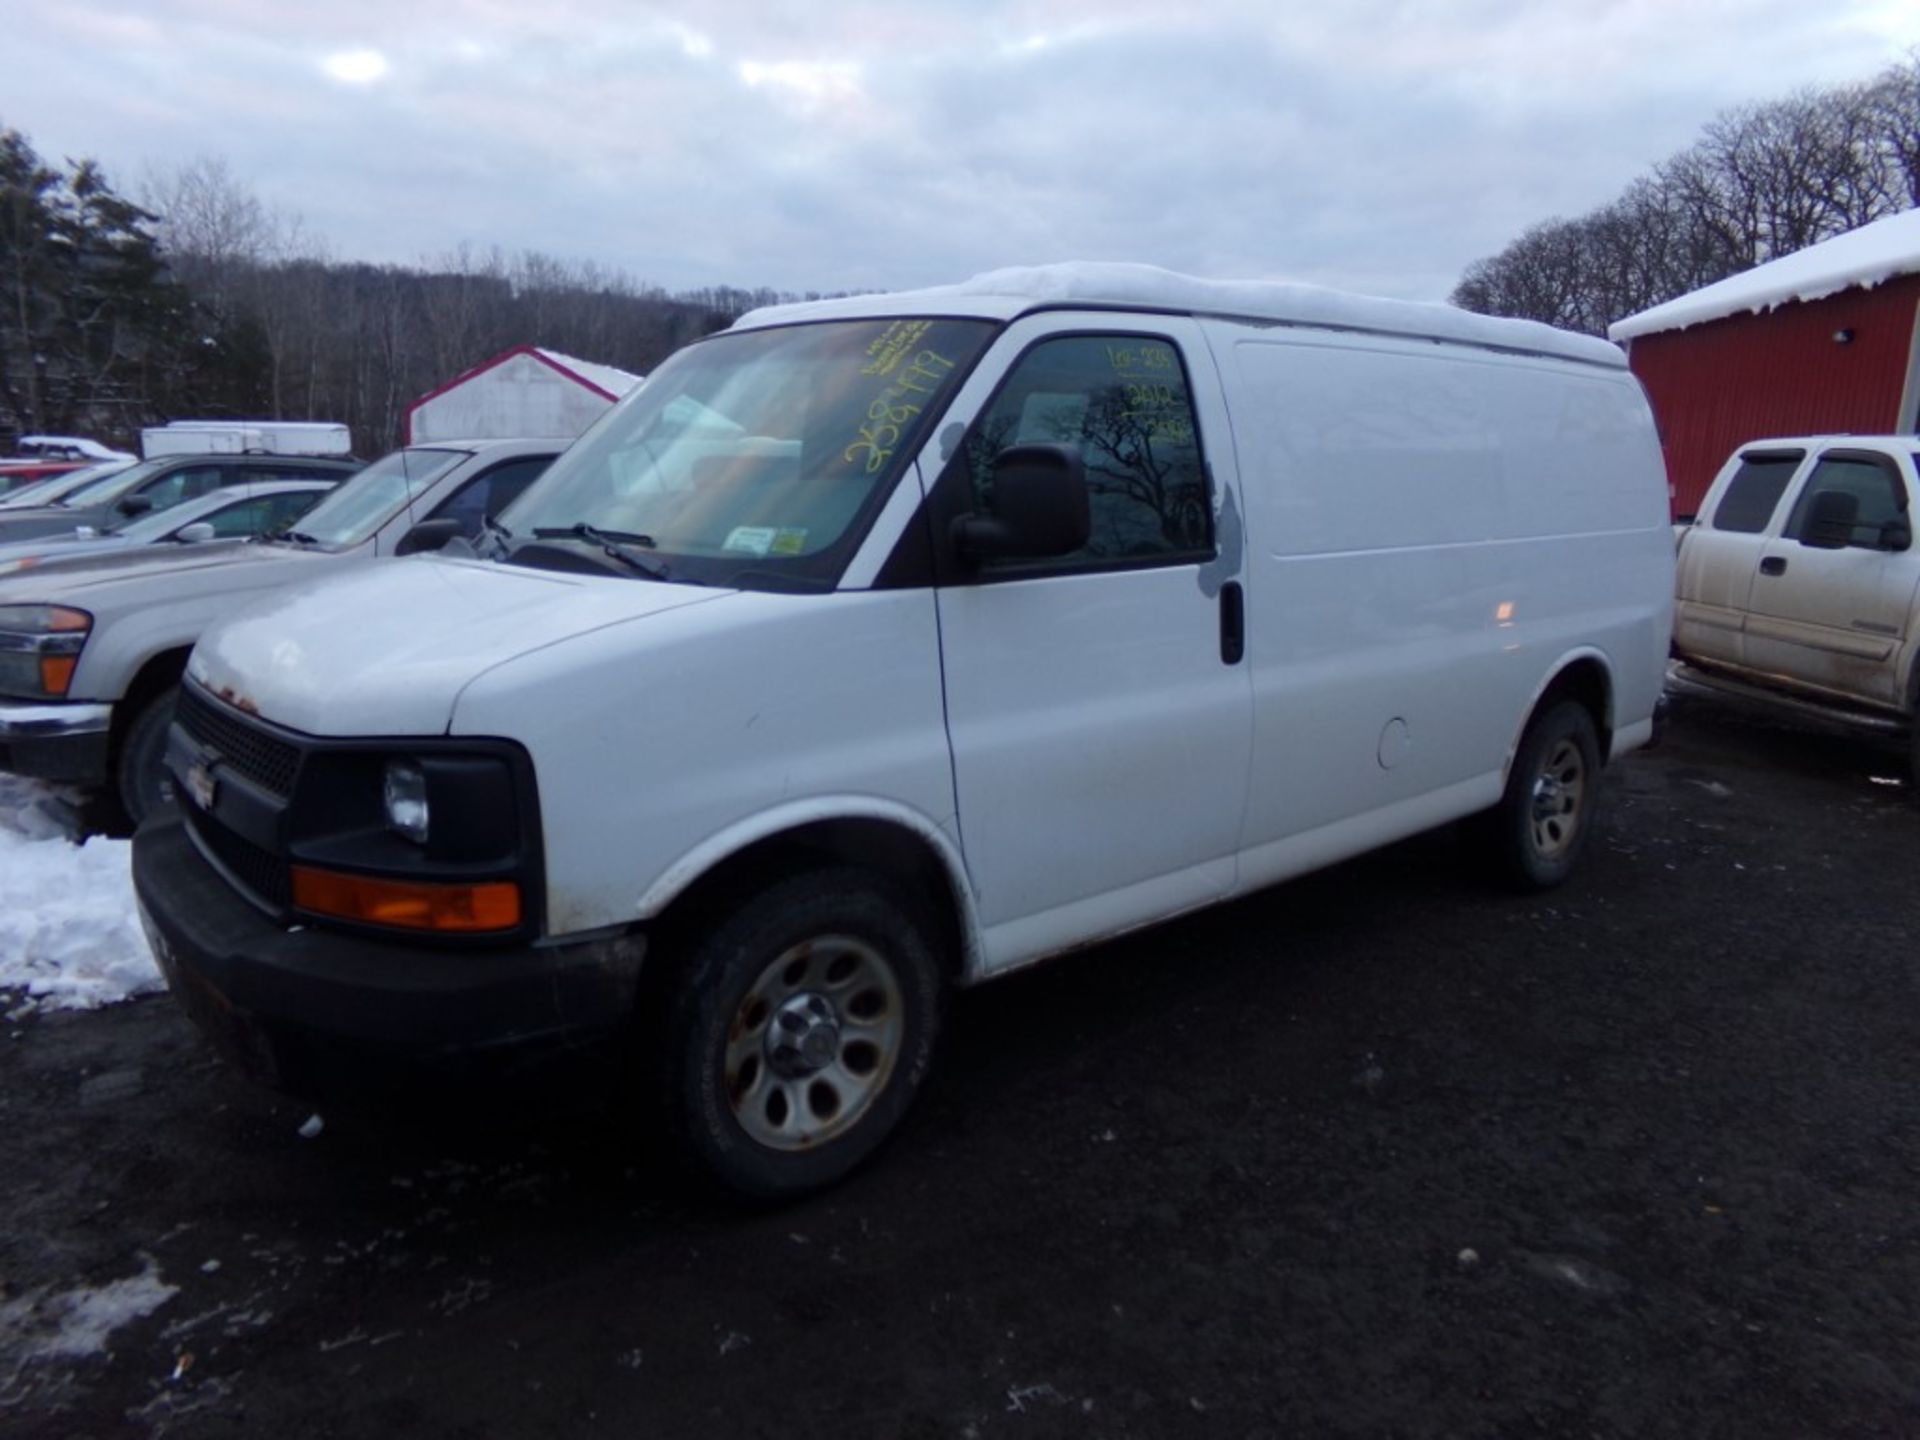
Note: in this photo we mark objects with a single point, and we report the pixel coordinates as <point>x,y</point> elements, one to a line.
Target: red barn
<point>1823,341</point>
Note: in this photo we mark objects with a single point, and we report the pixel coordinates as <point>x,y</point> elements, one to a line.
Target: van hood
<point>386,649</point>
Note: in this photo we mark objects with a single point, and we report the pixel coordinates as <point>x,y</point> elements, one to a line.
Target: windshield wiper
<point>294,537</point>
<point>614,543</point>
<point>584,531</point>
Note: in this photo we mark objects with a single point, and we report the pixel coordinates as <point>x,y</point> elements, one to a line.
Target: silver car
<point>92,648</point>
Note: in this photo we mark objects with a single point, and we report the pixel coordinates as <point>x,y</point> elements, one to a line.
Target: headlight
<point>39,648</point>
<point>405,794</point>
<point>43,619</point>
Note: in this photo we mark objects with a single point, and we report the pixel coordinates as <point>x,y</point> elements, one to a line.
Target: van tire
<point>140,775</point>
<point>837,961</point>
<point>1543,820</point>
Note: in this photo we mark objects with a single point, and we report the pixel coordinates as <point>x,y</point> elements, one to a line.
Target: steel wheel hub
<point>804,1037</point>
<point>814,1042</point>
<point>1559,793</point>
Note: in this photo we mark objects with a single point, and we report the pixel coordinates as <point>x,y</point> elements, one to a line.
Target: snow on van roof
<point>1003,294</point>
<point>1874,253</point>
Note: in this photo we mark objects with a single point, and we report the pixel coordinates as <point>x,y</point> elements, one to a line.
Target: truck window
<point>1873,483</point>
<point>490,493</point>
<point>1123,401</point>
<point>1755,490</point>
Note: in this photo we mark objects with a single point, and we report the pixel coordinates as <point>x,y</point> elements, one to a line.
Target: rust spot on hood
<point>243,703</point>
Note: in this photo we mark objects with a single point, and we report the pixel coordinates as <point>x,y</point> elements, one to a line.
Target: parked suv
<point>92,649</point>
<point>151,485</point>
<point>882,645</point>
<point>1797,585</point>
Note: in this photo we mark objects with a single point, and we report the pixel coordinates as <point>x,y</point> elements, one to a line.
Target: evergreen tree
<point>92,328</point>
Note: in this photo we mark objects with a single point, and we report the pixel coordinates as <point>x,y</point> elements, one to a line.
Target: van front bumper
<point>56,742</point>
<point>337,1017</point>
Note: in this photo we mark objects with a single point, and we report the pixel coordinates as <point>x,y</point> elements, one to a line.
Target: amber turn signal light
<point>56,673</point>
<point>408,904</point>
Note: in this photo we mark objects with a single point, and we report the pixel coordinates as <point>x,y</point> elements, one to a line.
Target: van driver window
<point>1123,401</point>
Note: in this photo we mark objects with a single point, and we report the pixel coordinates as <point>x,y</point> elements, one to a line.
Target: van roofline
<point>1005,295</point>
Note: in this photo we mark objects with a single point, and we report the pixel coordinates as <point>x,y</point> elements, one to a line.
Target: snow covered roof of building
<point>1003,294</point>
<point>1874,253</point>
<point>605,378</point>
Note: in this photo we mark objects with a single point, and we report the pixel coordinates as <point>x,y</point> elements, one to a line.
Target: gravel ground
<point>1379,1153</point>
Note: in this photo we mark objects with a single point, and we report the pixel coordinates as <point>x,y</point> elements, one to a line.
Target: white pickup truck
<point>1797,584</point>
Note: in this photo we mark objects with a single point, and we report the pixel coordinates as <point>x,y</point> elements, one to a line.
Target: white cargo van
<point>882,645</point>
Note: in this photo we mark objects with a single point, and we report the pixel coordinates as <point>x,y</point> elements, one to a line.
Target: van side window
<point>1872,485</point>
<point>1755,489</point>
<point>1123,401</point>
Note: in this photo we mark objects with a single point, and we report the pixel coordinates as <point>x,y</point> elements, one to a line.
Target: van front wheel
<point>1541,824</point>
<point>799,1032</point>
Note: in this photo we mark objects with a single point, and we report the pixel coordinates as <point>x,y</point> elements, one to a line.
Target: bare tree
<point>1761,182</point>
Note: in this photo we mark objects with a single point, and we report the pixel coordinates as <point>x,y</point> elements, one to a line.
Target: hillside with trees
<point>1762,181</point>
<point>197,300</point>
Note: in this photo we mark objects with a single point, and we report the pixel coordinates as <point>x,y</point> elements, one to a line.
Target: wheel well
<point>1585,680</point>
<point>883,847</point>
<point>156,675</point>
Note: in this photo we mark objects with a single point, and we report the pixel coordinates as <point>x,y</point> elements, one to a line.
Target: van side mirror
<point>1897,534</point>
<point>427,535</point>
<point>1040,507</point>
<point>135,505</point>
<point>1829,523</point>
<point>198,533</point>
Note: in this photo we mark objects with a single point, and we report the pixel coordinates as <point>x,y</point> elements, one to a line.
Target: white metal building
<point>523,393</point>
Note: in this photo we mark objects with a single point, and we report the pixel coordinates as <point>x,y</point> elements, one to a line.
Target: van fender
<point>737,838</point>
<point>1548,680</point>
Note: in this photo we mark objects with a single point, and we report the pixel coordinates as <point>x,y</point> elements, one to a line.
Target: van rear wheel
<point>1542,821</point>
<point>798,1033</point>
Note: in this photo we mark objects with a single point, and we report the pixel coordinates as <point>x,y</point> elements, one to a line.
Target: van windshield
<point>755,459</point>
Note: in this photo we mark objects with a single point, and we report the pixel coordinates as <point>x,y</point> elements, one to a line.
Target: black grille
<point>269,762</point>
<point>260,871</point>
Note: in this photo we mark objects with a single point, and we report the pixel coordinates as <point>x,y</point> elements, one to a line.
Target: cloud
<point>1379,144</point>
<point>355,67</point>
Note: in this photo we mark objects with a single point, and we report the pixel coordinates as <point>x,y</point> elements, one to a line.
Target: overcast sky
<point>1376,145</point>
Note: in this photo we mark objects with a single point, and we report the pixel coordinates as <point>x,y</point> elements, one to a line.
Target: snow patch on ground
<point>73,1324</point>
<point>70,938</point>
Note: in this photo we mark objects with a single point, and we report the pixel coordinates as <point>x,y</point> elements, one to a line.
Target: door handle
<point>1774,565</point>
<point>1233,623</point>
